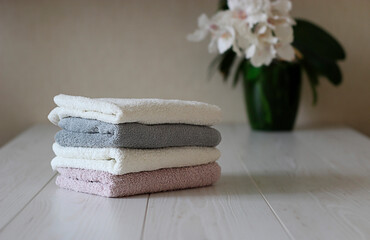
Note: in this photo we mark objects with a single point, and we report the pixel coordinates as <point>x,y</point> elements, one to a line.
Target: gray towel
<point>80,132</point>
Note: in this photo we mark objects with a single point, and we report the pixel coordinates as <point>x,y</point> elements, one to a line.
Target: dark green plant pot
<point>272,95</point>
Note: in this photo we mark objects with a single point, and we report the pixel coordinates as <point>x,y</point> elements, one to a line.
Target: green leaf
<point>313,80</point>
<point>226,63</point>
<point>222,5</point>
<point>239,71</point>
<point>325,67</point>
<point>310,37</point>
<point>332,72</point>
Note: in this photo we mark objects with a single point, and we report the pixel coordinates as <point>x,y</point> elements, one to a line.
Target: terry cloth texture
<point>146,111</point>
<point>119,161</point>
<point>80,132</point>
<point>108,185</point>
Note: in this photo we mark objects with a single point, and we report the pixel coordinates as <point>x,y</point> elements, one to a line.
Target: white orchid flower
<point>284,33</point>
<point>223,35</point>
<point>279,14</point>
<point>283,6</point>
<point>259,30</point>
<point>243,37</point>
<point>284,49</point>
<point>261,54</point>
<point>262,50</point>
<point>202,31</point>
<point>285,52</point>
<point>222,40</point>
<point>225,41</point>
<point>250,11</point>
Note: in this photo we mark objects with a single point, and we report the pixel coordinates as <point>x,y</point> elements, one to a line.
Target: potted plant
<point>270,49</point>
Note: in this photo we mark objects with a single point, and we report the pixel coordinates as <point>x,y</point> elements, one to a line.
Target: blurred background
<point>138,49</point>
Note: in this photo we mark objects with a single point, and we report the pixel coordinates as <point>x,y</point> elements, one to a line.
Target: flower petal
<point>226,40</point>
<point>197,36</point>
<point>250,51</point>
<point>212,46</point>
<point>284,33</point>
<point>234,4</point>
<point>261,29</point>
<point>203,21</point>
<point>283,6</point>
<point>263,55</point>
<point>286,52</point>
<point>224,44</point>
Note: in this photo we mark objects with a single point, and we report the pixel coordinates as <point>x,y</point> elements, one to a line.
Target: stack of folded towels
<point>121,147</point>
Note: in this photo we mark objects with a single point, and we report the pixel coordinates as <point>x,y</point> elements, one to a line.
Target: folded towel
<point>147,111</point>
<point>80,132</point>
<point>108,185</point>
<point>119,161</point>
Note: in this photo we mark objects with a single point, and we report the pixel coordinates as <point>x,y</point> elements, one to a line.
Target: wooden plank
<point>317,182</point>
<point>25,169</point>
<point>232,209</point>
<point>61,214</point>
<point>345,150</point>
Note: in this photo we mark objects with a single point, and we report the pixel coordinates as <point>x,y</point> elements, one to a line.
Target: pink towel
<point>109,185</point>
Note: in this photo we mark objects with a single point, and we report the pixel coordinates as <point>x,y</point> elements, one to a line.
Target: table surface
<point>309,184</point>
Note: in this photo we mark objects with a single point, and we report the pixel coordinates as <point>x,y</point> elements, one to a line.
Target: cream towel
<point>147,111</point>
<point>119,161</point>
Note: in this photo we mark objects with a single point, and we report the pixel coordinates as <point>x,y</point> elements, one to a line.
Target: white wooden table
<point>309,184</point>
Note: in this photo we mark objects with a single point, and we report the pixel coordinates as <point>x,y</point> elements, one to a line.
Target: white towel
<point>119,161</point>
<point>147,111</point>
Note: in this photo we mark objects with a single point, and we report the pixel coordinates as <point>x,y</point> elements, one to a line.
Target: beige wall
<point>134,48</point>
